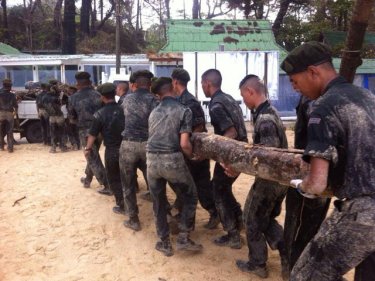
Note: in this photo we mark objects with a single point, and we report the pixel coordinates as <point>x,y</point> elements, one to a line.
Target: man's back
<point>225,113</point>
<point>341,130</point>
<point>82,106</point>
<point>191,102</point>
<point>8,101</point>
<point>137,107</point>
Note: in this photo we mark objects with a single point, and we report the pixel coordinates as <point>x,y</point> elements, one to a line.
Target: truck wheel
<point>34,132</point>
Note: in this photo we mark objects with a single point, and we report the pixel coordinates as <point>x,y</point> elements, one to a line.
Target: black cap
<point>159,83</point>
<point>106,89</point>
<point>141,74</point>
<point>310,53</point>
<point>82,75</point>
<point>181,74</point>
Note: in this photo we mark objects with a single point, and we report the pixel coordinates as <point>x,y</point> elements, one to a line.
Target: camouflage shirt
<point>341,129</point>
<point>137,107</point>
<point>303,111</point>
<point>268,127</point>
<point>52,104</point>
<point>225,113</point>
<point>191,102</point>
<point>39,100</point>
<point>8,101</point>
<point>167,122</point>
<point>82,106</point>
<point>109,121</point>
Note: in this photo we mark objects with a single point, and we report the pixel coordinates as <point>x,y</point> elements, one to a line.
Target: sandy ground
<point>62,231</point>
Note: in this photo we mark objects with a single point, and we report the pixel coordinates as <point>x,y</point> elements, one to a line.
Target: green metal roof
<point>208,35</point>
<point>8,50</point>
<point>334,38</point>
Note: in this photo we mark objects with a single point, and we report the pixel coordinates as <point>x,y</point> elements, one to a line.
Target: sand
<point>62,231</point>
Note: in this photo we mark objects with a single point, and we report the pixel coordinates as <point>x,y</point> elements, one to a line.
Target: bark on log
<point>280,165</point>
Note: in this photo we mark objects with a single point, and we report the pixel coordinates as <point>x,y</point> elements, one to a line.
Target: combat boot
<point>164,246</point>
<point>213,222</point>
<point>85,182</point>
<point>285,273</point>
<point>186,244</point>
<point>53,149</point>
<point>105,191</point>
<point>133,223</point>
<point>258,270</point>
<point>232,240</point>
<point>75,147</point>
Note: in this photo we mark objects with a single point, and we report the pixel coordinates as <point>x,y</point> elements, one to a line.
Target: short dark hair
<point>181,75</point>
<point>214,76</point>
<point>161,85</point>
<point>255,83</point>
<point>247,77</point>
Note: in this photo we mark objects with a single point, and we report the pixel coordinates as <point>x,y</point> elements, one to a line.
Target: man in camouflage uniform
<point>169,140</point>
<point>109,121</point>
<point>227,120</point>
<point>263,203</point>
<point>52,104</point>
<point>200,170</point>
<point>42,114</point>
<point>303,216</point>
<point>137,107</point>
<point>71,124</point>
<point>8,105</point>
<point>82,106</point>
<point>121,91</point>
<point>340,151</point>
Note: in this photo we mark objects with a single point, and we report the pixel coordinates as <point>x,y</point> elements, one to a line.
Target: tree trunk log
<point>280,165</point>
<point>351,58</point>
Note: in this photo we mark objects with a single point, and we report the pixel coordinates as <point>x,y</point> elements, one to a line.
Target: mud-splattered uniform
<point>263,203</point>
<point>200,170</point>
<point>303,216</point>
<point>109,122</point>
<point>43,117</point>
<point>166,163</point>
<point>225,113</point>
<point>82,106</point>
<point>52,105</point>
<point>137,107</point>
<point>8,104</point>
<point>341,129</point>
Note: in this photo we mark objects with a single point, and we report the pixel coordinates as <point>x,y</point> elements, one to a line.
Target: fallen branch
<point>18,200</point>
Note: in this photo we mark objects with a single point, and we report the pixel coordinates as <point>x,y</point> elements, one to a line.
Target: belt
<point>133,139</point>
<point>162,152</point>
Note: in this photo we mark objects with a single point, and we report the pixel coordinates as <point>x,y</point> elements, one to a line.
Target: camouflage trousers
<point>44,123</point>
<point>229,209</point>
<point>343,241</point>
<point>132,157</point>
<point>112,168</point>
<point>94,166</point>
<point>171,168</point>
<point>303,218</point>
<point>57,129</point>
<point>262,206</point>
<point>6,128</point>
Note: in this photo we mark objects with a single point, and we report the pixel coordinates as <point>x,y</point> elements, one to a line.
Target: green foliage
<point>154,38</point>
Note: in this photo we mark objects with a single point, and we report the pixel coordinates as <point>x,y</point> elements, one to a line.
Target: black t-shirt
<point>167,122</point>
<point>303,111</point>
<point>225,113</point>
<point>341,130</point>
<point>109,121</point>
<point>268,127</point>
<point>191,102</point>
<point>137,107</point>
<point>8,101</point>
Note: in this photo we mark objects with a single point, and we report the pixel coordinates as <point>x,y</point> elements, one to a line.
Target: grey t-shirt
<point>166,123</point>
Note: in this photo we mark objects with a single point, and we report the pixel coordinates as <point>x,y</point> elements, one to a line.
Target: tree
<point>69,28</point>
<point>196,9</point>
<point>5,20</point>
<point>57,22</point>
<point>85,18</point>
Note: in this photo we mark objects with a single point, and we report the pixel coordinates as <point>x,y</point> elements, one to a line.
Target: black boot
<point>213,222</point>
<point>165,247</point>
<point>259,270</point>
<point>232,240</point>
<point>133,223</point>
<point>106,191</point>
<point>86,182</point>
<point>185,243</point>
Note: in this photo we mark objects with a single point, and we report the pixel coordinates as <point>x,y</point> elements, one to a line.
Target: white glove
<point>296,184</point>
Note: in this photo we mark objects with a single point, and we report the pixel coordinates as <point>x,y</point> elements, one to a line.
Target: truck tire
<point>33,132</point>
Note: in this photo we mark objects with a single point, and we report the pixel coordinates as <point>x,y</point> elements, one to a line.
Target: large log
<point>280,165</point>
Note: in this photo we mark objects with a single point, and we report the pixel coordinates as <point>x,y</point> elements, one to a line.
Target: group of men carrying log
<point>151,130</point>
